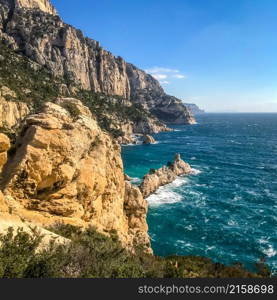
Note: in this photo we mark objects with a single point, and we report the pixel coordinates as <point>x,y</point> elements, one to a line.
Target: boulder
<point>148,139</point>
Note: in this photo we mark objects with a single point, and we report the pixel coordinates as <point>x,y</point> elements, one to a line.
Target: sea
<point>227,209</point>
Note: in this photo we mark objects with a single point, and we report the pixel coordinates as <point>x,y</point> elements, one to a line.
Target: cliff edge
<point>64,169</point>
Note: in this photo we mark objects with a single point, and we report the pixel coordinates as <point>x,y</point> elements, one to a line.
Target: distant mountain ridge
<point>33,28</point>
<point>195,110</point>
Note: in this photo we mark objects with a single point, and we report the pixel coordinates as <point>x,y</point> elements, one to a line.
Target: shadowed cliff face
<point>32,28</point>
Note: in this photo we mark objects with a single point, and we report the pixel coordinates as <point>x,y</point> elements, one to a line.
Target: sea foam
<point>195,171</point>
<point>167,194</point>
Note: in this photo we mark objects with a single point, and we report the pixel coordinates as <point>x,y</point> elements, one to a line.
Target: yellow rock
<point>66,169</point>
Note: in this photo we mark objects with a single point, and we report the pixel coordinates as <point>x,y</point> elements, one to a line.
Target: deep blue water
<point>227,209</point>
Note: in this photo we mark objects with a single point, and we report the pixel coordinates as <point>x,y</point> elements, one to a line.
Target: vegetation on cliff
<point>91,254</point>
<point>34,85</point>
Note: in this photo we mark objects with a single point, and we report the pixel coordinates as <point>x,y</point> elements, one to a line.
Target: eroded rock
<point>165,175</point>
<point>65,169</point>
<point>148,139</point>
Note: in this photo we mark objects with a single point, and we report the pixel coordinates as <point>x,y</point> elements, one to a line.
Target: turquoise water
<point>227,209</point>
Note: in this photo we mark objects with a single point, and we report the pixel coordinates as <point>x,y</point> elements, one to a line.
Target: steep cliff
<point>25,86</point>
<point>64,168</point>
<point>43,5</point>
<point>44,38</point>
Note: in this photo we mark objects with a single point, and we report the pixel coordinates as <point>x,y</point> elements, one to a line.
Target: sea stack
<point>165,175</point>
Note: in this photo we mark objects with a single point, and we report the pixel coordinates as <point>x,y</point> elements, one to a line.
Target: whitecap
<point>164,196</point>
<point>236,198</point>
<point>270,251</point>
<point>232,223</point>
<point>178,182</point>
<point>195,171</point>
<point>209,248</point>
<point>189,227</point>
<point>262,241</point>
<point>193,158</point>
<point>253,193</point>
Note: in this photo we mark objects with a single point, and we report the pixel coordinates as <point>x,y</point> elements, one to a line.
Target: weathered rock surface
<point>136,207</point>
<point>43,5</point>
<point>167,174</point>
<point>65,169</point>
<point>194,109</point>
<point>4,147</point>
<point>148,139</point>
<point>44,38</point>
<point>148,92</point>
<point>12,112</point>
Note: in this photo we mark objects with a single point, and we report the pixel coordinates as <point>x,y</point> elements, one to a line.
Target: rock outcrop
<point>147,91</point>
<point>43,5</point>
<point>44,38</point>
<point>148,139</point>
<point>12,113</point>
<point>167,174</point>
<point>66,169</point>
<point>195,110</point>
<point>4,147</point>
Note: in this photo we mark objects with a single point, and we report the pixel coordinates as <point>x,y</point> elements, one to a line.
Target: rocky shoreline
<point>165,175</point>
<point>63,163</point>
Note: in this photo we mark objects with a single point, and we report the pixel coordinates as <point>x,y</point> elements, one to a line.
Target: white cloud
<point>161,73</point>
<point>159,76</point>
<point>179,76</point>
<point>155,70</point>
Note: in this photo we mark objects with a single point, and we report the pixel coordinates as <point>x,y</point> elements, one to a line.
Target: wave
<point>167,194</point>
<point>266,247</point>
<point>195,171</point>
<point>270,251</point>
<point>164,196</point>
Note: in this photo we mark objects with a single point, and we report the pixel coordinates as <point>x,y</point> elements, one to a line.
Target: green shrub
<point>90,254</point>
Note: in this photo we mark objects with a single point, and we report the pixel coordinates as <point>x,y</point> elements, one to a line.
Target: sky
<point>219,54</point>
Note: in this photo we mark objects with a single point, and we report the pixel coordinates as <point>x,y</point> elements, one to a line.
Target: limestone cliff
<point>44,38</point>
<point>64,168</point>
<point>167,174</point>
<point>11,113</point>
<point>4,147</point>
<point>43,5</point>
<point>194,109</point>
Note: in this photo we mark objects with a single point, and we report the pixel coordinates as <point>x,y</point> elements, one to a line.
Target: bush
<point>90,254</point>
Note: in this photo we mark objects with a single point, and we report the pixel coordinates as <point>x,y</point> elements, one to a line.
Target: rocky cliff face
<point>65,169</point>
<point>194,109</point>
<point>12,113</point>
<point>43,37</point>
<point>148,92</point>
<point>43,5</point>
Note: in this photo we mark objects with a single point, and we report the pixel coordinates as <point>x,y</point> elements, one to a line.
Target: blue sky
<point>219,54</point>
